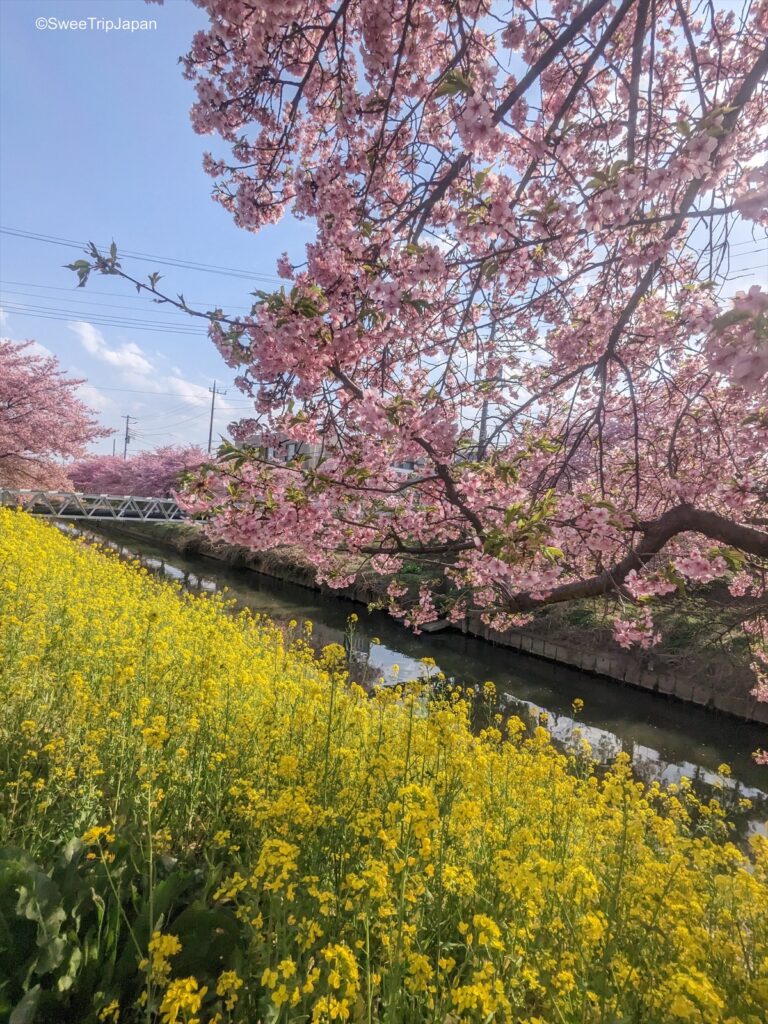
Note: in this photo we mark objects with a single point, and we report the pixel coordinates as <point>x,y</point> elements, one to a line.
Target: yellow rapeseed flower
<point>369,851</point>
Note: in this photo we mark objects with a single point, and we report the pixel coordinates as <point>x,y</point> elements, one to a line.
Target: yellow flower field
<point>202,823</point>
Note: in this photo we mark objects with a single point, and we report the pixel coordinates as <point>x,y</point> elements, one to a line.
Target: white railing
<point>73,505</point>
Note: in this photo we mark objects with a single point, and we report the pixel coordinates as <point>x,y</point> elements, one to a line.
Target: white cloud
<point>94,398</point>
<point>195,394</point>
<point>167,407</point>
<point>128,357</point>
<point>3,317</point>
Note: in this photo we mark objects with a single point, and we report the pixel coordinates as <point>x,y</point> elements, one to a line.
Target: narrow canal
<point>665,739</point>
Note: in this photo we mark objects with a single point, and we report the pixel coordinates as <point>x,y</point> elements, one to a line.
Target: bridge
<point>73,505</point>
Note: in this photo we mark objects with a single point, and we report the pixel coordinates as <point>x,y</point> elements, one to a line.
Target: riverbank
<point>715,682</point>
<point>196,814</point>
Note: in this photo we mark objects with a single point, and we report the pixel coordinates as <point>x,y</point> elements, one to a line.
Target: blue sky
<point>96,143</point>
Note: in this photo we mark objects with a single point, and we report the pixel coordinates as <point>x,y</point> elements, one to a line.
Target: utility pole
<point>114,445</point>
<point>214,391</point>
<point>127,434</point>
<point>482,440</point>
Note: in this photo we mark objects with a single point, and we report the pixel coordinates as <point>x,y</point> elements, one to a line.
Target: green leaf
<point>552,553</point>
<point>208,939</point>
<point>452,83</point>
<point>420,305</point>
<point>26,1010</point>
<point>82,268</point>
<point>734,558</point>
<point>66,980</point>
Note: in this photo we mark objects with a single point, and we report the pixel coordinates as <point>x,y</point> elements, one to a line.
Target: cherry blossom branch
<point>654,536</point>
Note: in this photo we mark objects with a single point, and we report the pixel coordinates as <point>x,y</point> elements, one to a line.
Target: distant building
<point>282,448</point>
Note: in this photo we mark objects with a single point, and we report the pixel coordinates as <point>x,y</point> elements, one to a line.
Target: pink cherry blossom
<point>508,340</point>
<point>43,423</point>
<point>155,474</point>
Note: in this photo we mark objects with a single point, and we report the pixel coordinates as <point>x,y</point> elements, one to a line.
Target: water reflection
<point>666,740</point>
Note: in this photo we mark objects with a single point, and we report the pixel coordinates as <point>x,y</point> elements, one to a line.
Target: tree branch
<point>655,535</point>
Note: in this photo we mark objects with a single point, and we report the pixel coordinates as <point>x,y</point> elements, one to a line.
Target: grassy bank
<point>702,637</point>
<point>201,823</point>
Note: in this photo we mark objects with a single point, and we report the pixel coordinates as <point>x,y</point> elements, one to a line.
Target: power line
<point>159,394</point>
<point>149,434</point>
<point>183,406</point>
<point>213,268</point>
<point>157,308</point>
<point>737,277</point>
<point>98,320</point>
<point>151,437</point>
<point>180,423</point>
<point>72,289</point>
<point>207,268</point>
<point>746,241</point>
<point>36,307</point>
<point>100,323</point>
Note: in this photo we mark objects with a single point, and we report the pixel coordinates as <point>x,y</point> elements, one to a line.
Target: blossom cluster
<point>517,297</point>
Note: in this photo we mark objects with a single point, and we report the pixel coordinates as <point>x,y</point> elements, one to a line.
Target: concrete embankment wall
<point>706,689</point>
<point>705,686</point>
